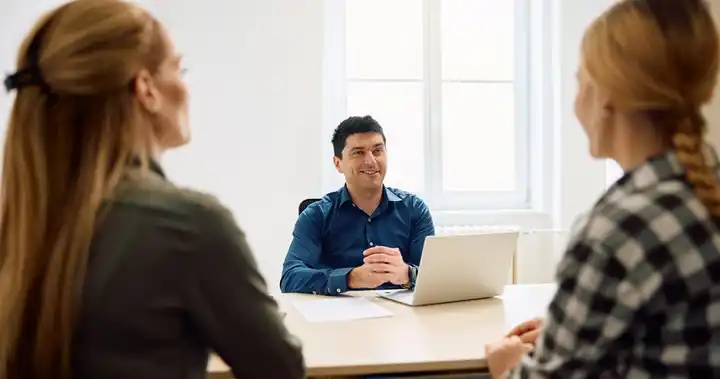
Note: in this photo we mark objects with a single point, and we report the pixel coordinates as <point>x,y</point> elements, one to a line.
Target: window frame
<point>335,109</point>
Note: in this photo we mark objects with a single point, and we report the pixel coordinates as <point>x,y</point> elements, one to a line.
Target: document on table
<point>340,309</point>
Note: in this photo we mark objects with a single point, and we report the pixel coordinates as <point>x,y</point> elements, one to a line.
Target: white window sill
<point>524,219</point>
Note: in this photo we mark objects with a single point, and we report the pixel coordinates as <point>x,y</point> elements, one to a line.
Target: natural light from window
<point>478,139</point>
<point>440,77</point>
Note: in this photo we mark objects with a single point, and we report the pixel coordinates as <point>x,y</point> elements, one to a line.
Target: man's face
<point>363,161</point>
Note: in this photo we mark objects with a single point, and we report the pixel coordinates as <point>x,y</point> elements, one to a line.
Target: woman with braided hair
<point>639,286</point>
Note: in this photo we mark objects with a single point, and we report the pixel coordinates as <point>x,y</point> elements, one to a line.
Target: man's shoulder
<point>330,200</point>
<point>322,205</point>
<point>407,197</point>
<point>331,197</point>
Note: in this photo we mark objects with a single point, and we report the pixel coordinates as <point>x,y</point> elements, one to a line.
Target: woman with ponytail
<point>108,270</point>
<point>639,286</point>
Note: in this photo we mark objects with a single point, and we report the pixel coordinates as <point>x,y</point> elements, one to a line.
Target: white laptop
<point>461,267</point>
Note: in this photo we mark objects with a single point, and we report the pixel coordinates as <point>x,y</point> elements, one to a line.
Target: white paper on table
<point>340,309</point>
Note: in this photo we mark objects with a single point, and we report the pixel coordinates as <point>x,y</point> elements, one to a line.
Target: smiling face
<point>363,161</point>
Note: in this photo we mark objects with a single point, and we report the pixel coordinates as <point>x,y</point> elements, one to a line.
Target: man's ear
<point>146,92</point>
<point>336,162</point>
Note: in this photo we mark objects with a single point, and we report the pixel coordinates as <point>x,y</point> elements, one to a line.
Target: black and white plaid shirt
<point>639,286</point>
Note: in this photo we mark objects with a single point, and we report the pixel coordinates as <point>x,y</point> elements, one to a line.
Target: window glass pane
<point>398,107</point>
<point>478,40</point>
<point>478,137</point>
<point>384,39</point>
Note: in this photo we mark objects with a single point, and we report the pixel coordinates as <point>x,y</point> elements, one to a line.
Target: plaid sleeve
<point>588,319</point>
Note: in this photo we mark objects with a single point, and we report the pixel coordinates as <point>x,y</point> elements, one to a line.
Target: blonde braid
<point>688,143</point>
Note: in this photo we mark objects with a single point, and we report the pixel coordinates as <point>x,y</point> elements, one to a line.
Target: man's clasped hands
<point>380,265</point>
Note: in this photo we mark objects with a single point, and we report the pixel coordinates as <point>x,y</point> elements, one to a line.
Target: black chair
<point>305,203</point>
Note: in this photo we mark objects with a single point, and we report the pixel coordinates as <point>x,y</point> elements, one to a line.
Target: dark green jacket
<point>170,278</point>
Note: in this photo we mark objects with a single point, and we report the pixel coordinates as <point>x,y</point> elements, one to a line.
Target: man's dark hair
<point>354,125</point>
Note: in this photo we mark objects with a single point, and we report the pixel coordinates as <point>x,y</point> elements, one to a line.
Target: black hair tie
<point>25,78</point>
<point>30,76</point>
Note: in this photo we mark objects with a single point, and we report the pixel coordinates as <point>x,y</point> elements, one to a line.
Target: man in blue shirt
<point>363,236</point>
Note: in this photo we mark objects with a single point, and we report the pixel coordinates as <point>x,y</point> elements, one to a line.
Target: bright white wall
<point>255,82</point>
<point>580,180</point>
<point>254,74</point>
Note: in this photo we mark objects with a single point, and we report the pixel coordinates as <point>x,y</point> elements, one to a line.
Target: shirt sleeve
<point>422,227</point>
<point>587,330</point>
<point>302,271</point>
<point>228,303</point>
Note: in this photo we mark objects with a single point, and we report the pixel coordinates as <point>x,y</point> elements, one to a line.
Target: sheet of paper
<point>340,309</point>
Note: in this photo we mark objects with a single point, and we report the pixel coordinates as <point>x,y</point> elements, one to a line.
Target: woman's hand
<point>528,331</point>
<point>503,355</point>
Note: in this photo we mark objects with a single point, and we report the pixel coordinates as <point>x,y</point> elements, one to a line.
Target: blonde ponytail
<point>688,143</point>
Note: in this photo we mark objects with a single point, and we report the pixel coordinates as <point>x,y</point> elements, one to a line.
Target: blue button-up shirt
<point>331,235</point>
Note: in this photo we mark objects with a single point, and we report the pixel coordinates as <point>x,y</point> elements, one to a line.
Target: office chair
<point>305,203</point>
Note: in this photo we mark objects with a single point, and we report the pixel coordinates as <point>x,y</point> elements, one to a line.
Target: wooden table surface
<point>444,337</point>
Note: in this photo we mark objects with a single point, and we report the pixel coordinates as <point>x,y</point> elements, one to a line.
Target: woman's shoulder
<point>658,224</point>
<point>162,197</point>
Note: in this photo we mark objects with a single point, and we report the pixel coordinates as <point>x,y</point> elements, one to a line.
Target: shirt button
<point>369,220</point>
<point>371,244</point>
<point>338,290</point>
<point>314,293</point>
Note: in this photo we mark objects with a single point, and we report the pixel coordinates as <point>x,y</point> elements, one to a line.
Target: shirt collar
<point>387,195</point>
<point>153,166</point>
<point>659,168</point>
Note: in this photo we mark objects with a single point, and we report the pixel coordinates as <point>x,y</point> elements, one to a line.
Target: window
<point>448,81</point>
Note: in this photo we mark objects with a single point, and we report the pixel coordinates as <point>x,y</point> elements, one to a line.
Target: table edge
<point>479,364</point>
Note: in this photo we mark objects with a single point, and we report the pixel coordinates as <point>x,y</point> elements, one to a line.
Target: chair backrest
<point>305,203</point>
